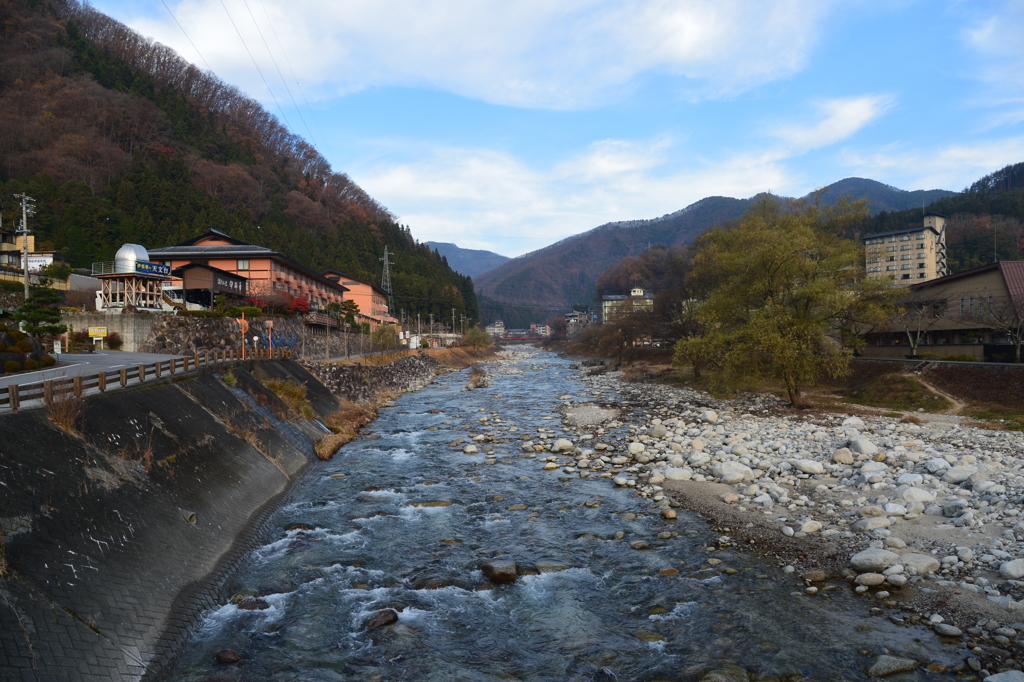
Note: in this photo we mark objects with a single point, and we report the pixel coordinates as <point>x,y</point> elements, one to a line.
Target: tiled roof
<point>909,230</point>
<point>1013,275</point>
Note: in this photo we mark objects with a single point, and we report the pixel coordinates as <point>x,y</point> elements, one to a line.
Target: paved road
<point>75,364</point>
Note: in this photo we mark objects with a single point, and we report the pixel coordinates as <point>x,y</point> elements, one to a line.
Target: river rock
<point>898,580</point>
<point>843,456</point>
<point>228,656</point>
<point>870,579</point>
<point>729,673</point>
<point>470,449</point>
<point>562,445</point>
<point>935,465</point>
<point>921,495</point>
<point>382,618</point>
<point>959,474</point>
<point>862,446</point>
<point>697,444</point>
<point>657,431</point>
<point>676,474</point>
<point>809,466</point>
<point>1008,676</point>
<point>723,469</point>
<point>636,449</point>
<point>888,665</point>
<point>872,467</point>
<point>865,525</point>
<point>918,564</point>
<point>853,423</point>
<point>1012,570</point>
<point>709,416</point>
<point>947,630</point>
<point>873,560</point>
<point>501,571</point>
<point>669,513</point>
<point>809,526</point>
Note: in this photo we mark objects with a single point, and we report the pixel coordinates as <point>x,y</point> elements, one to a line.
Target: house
<point>977,313</point>
<point>616,307</point>
<point>270,275</point>
<point>496,330</point>
<point>908,256</point>
<point>202,284</point>
<point>371,299</point>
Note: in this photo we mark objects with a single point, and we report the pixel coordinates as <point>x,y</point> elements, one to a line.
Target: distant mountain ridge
<point>471,262</point>
<point>550,279</point>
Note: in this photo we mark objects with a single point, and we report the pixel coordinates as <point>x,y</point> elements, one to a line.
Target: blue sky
<point>509,125</point>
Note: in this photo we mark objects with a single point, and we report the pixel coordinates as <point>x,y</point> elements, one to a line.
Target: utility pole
<point>27,209</point>
<point>453,320</point>
<point>385,281</point>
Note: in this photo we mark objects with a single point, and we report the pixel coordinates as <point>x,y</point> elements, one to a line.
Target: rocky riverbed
<point>925,520</point>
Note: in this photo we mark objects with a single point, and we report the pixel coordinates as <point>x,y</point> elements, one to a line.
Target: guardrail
<point>13,395</point>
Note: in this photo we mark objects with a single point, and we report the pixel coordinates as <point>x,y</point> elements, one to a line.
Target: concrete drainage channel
<point>119,534</point>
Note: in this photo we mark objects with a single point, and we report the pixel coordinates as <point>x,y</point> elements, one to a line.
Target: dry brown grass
<point>65,409</point>
<point>346,422</point>
<point>293,394</point>
<point>911,419</point>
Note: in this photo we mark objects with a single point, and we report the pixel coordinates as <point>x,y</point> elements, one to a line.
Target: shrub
<point>47,361</point>
<point>12,366</point>
<point>14,349</point>
<point>24,345</point>
<point>31,364</point>
<point>113,341</point>
<point>959,358</point>
<point>293,394</point>
<point>424,343</point>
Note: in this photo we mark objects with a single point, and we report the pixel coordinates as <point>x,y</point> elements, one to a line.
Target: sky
<point>507,125</point>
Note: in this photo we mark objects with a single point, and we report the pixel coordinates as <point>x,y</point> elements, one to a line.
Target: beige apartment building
<point>909,256</point>
<point>617,306</point>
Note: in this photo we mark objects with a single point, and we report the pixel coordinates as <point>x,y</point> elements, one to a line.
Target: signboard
<point>36,262</point>
<point>56,348</point>
<point>97,332</point>
<point>145,268</point>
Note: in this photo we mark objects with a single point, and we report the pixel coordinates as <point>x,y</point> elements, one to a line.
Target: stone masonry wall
<point>360,382</point>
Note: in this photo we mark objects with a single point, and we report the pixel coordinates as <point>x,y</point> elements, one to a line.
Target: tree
<point>299,305</point>
<point>783,287</point>
<point>917,314</point>
<point>477,338</point>
<point>56,270</point>
<point>41,313</point>
<point>385,337</point>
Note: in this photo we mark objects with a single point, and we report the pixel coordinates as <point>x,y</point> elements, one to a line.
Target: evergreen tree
<point>41,313</point>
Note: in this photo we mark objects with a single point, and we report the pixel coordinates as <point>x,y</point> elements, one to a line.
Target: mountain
<point>547,281</point>
<point>119,139</point>
<point>471,262</point>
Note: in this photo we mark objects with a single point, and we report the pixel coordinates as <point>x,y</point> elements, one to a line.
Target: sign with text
<point>145,268</point>
<point>97,332</point>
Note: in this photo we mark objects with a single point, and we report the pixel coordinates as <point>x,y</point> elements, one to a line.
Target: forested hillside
<point>986,220</point>
<point>119,140</point>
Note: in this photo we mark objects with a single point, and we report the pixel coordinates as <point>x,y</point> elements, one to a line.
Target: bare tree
<point>917,314</point>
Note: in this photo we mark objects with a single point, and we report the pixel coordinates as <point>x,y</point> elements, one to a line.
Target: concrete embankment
<point>118,534</point>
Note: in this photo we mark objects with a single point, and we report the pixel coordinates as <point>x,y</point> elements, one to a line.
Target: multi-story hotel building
<point>908,256</point>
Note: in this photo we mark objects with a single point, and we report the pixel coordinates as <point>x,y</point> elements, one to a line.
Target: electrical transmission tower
<point>27,209</point>
<point>385,281</point>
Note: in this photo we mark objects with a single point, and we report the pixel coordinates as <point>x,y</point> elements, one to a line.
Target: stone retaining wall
<point>360,382</point>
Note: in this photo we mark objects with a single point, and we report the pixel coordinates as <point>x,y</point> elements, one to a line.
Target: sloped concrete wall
<point>105,574</point>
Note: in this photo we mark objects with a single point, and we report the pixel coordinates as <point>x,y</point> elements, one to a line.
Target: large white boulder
<point>729,470</point>
<point>959,474</point>
<point>854,422</point>
<point>862,446</point>
<point>1012,570</point>
<point>676,474</point>
<point>871,467</point>
<point>636,449</point>
<point>562,445</point>
<point>873,560</point>
<point>936,465</point>
<point>918,564</point>
<point>921,495</point>
<point>809,466</point>
<point>711,417</point>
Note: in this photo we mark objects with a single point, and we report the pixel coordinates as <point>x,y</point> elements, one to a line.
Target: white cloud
<point>1000,51</point>
<point>842,118</point>
<point>480,198</point>
<point>953,166</point>
<point>532,53</point>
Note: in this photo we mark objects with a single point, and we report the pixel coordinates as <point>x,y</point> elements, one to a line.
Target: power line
<point>291,69</point>
<point>246,46</point>
<point>283,82</point>
<point>186,36</point>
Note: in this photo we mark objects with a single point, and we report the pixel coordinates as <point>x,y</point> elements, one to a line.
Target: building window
<point>890,248</point>
<point>905,256</point>
<point>905,247</point>
<point>920,246</point>
<point>243,265</point>
<point>991,307</point>
<point>906,266</point>
<point>920,236</point>
<point>920,266</point>
<point>890,267</point>
<point>963,306</point>
<point>906,277</point>
<point>921,275</point>
<point>905,238</point>
<point>970,305</point>
<point>920,256</point>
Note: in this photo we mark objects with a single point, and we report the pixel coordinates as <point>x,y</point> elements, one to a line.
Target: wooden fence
<point>14,395</point>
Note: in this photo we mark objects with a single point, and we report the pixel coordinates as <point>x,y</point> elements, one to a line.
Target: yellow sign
<point>97,332</point>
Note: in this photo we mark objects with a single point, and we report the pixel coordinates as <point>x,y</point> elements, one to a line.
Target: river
<point>403,520</point>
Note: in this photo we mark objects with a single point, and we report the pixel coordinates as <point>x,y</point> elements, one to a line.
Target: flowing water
<point>404,521</point>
